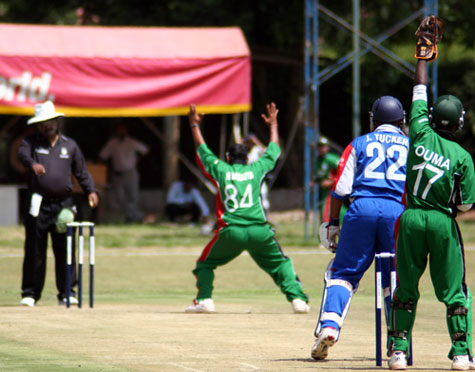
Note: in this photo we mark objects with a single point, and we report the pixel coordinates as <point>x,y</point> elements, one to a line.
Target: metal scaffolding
<point>362,44</point>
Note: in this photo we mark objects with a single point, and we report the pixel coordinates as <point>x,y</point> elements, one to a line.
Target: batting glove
<point>333,231</point>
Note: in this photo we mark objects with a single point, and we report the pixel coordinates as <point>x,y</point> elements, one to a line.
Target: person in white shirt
<point>184,199</point>
<point>124,153</point>
<point>256,150</point>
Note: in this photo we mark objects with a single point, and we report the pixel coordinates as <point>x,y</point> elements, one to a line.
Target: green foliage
<point>274,31</point>
<point>458,16</point>
<point>264,22</point>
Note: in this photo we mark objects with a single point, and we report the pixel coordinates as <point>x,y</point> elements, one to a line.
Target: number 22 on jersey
<point>378,152</point>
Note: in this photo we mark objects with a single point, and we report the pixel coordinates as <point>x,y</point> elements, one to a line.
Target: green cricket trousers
<point>230,241</point>
<point>431,236</point>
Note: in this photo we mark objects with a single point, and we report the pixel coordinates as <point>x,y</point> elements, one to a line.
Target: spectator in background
<point>51,160</point>
<point>124,152</point>
<point>256,150</point>
<point>185,201</point>
<point>326,165</point>
<point>15,163</point>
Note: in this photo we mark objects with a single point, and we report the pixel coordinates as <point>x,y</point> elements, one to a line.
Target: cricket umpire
<point>242,224</point>
<point>51,159</point>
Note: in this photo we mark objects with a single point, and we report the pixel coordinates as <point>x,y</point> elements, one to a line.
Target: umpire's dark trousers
<point>36,242</point>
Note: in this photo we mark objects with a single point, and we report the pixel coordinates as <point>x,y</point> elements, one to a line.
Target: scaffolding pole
<point>313,79</point>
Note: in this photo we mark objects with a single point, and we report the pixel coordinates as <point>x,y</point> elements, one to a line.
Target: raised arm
<point>195,123</point>
<point>271,120</point>
<point>421,75</point>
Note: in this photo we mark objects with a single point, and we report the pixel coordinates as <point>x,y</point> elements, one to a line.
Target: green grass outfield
<point>143,283</point>
<point>153,263</point>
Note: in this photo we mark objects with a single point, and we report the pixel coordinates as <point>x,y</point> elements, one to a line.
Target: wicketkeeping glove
<point>428,34</point>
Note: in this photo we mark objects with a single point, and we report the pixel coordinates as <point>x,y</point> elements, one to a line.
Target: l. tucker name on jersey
<point>235,176</point>
<point>388,138</point>
<point>25,87</point>
<point>432,157</point>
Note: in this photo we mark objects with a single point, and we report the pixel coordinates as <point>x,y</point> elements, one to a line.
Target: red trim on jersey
<point>209,246</point>
<point>219,203</point>
<point>328,199</point>
<point>326,208</point>
<point>404,197</point>
<point>341,164</point>
<point>396,233</point>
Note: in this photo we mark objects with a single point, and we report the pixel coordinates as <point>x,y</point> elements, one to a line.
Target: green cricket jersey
<point>440,172</point>
<point>324,167</point>
<point>239,185</point>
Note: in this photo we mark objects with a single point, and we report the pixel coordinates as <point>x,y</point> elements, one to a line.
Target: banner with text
<point>118,87</point>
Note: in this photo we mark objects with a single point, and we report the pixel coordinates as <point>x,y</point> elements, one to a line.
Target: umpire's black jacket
<point>61,162</point>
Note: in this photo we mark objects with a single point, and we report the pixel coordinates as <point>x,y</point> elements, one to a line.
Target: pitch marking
<point>187,368</point>
<point>250,366</point>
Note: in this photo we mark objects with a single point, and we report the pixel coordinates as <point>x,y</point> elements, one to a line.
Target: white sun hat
<point>43,112</point>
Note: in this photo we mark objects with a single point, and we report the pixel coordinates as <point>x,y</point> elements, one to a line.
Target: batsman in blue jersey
<point>372,173</point>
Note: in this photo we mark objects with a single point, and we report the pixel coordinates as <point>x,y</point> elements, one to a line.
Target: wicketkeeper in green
<point>242,224</point>
<point>440,182</point>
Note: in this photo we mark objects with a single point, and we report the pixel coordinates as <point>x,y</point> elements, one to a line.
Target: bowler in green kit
<point>242,224</point>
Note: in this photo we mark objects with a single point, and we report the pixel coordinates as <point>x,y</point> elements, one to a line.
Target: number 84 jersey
<point>238,201</point>
<point>373,165</point>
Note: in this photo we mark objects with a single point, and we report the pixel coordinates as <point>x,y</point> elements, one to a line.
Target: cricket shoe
<point>398,360</point>
<point>72,301</point>
<point>300,306</point>
<point>28,301</point>
<point>203,306</point>
<point>326,339</point>
<point>462,363</point>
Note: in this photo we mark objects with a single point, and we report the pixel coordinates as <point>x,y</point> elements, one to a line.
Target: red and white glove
<point>332,233</point>
<point>329,231</point>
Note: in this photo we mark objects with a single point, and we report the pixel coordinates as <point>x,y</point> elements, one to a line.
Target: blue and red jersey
<point>373,165</point>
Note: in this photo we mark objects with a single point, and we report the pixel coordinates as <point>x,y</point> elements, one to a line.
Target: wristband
<point>194,125</point>
<point>334,222</point>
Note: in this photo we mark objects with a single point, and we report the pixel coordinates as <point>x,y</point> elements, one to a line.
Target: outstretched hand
<point>195,122</point>
<point>271,118</point>
<point>193,116</point>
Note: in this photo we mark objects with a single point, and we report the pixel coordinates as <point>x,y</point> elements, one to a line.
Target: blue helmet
<point>387,110</point>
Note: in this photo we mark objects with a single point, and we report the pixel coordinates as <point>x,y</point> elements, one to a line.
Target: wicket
<point>71,234</point>
<point>378,289</point>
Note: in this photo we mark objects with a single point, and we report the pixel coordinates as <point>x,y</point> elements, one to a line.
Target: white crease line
<point>250,366</point>
<point>187,368</point>
<point>151,254</point>
<point>104,253</point>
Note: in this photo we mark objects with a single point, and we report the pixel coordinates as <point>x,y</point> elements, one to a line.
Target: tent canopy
<point>124,71</point>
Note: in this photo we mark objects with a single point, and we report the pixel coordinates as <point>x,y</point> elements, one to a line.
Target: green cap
<point>323,141</point>
<point>65,216</point>
<point>447,113</point>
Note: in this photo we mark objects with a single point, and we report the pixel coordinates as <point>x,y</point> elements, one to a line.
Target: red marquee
<point>124,71</point>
